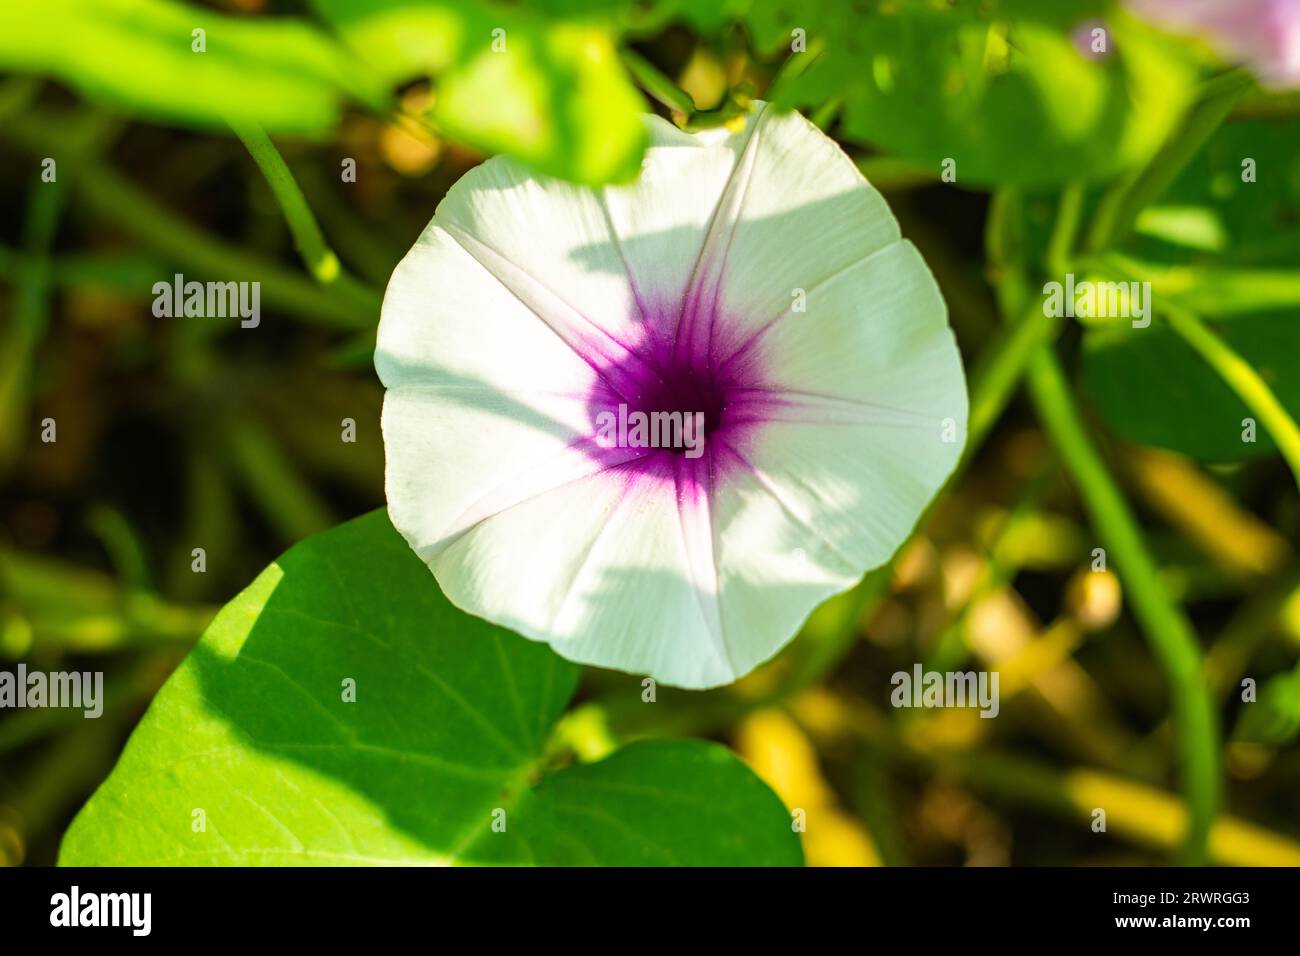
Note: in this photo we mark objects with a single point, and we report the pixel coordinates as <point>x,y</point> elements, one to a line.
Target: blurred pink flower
<point>1092,39</point>
<point>1262,34</point>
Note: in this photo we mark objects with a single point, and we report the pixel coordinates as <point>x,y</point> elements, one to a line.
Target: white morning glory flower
<point>753,278</point>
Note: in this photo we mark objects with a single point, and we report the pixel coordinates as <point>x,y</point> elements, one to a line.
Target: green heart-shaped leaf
<point>253,754</point>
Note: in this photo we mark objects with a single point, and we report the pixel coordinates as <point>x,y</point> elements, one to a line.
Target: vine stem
<point>113,196</point>
<point>654,82</point>
<point>316,253</point>
<point>31,312</point>
<point>1168,630</point>
<point>1120,206</point>
<point>1060,246</point>
<point>1242,378</point>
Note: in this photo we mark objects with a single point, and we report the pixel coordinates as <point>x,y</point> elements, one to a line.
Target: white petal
<point>496,321</point>
<point>873,409</point>
<point>478,386</point>
<point>609,570</point>
<point>795,212</point>
<point>662,219</point>
<point>458,456</point>
<point>447,321</point>
<point>874,333</point>
<point>598,266</point>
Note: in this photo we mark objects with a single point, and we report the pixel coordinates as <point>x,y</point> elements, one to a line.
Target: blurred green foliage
<point>560,101</point>
<point>966,81</point>
<point>145,57</point>
<point>1153,388</point>
<point>1125,163</point>
<point>1222,247</point>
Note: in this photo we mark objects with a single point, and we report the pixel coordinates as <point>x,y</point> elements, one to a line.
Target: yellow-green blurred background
<point>179,433</point>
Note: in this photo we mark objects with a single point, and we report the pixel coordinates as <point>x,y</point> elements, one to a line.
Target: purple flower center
<point>668,384</point>
<point>683,365</point>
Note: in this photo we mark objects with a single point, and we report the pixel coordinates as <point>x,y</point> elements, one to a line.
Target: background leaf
<point>1152,388</point>
<point>1227,249</point>
<point>1005,89</point>
<point>449,724</point>
<point>284,75</point>
<point>552,93</point>
<point>1273,720</point>
<point>1246,224</point>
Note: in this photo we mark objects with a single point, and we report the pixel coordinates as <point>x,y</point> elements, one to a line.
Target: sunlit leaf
<point>141,56</point>
<point>252,753</point>
<point>552,93</point>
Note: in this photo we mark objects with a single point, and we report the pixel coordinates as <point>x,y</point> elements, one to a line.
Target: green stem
<point>285,498</point>
<point>869,793</point>
<point>119,691</point>
<point>997,374</point>
<point>114,196</point>
<point>31,314</point>
<point>125,550</point>
<point>1172,638</point>
<point>1060,247</point>
<point>832,629</point>
<point>317,256</point>
<point>949,649</point>
<point>795,65</point>
<point>1120,206</point>
<point>16,94</point>
<point>371,250</point>
<point>1135,812</point>
<point>657,85</point>
<point>61,774</point>
<point>824,115</point>
<point>154,225</point>
<point>834,626</point>
<point>1243,379</point>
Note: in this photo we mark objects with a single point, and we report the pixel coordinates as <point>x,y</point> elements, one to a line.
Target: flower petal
<point>457,456</point>
<point>478,391</point>
<point>795,211</point>
<point>597,266</point>
<point>608,570</point>
<point>515,300</point>
<point>875,333</point>
<point>873,409</point>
